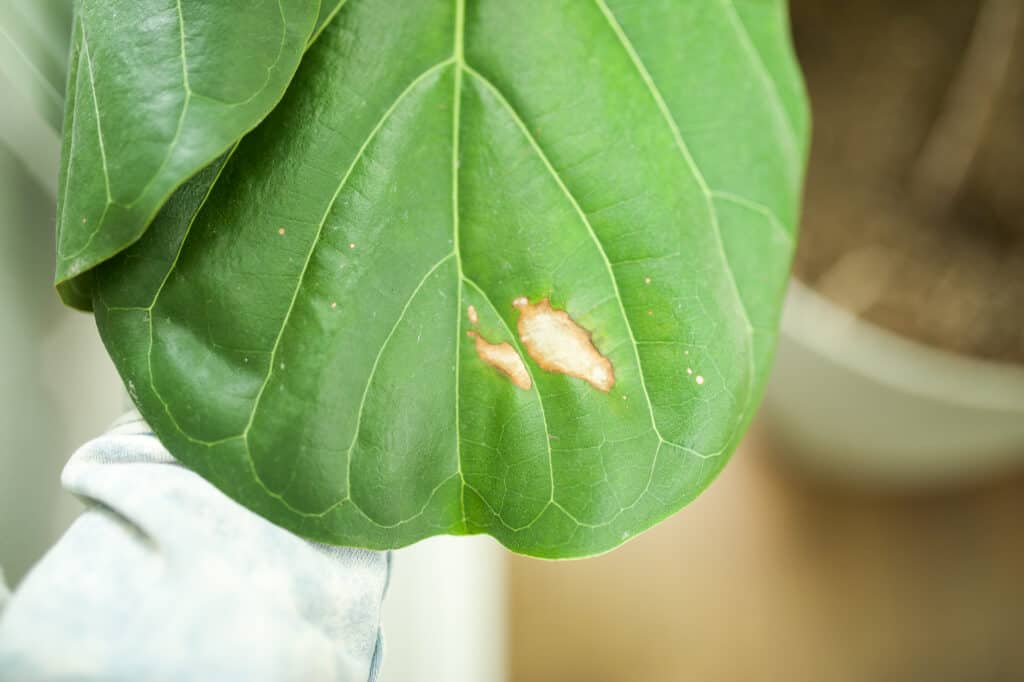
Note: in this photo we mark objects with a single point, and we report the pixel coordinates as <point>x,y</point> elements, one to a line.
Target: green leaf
<point>156,91</point>
<point>296,325</point>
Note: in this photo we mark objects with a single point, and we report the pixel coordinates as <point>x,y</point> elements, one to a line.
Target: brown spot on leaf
<point>503,357</point>
<point>558,344</point>
<point>471,313</point>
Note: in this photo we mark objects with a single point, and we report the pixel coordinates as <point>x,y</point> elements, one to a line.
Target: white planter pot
<point>850,399</point>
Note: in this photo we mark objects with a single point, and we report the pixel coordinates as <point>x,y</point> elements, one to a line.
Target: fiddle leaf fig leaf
<point>156,91</point>
<point>489,267</point>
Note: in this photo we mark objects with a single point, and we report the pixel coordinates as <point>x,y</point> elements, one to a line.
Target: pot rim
<point>811,320</point>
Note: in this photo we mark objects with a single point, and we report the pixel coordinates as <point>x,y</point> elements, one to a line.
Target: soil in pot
<point>914,211</point>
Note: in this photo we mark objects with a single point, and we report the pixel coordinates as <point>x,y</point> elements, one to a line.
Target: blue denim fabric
<point>165,578</point>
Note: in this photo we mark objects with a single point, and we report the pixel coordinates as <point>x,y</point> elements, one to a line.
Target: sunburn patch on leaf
<point>558,344</point>
<point>503,356</point>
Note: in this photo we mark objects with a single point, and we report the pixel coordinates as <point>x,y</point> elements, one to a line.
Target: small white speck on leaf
<point>647,280</point>
<point>334,304</point>
<point>282,365</point>
<point>471,314</point>
<point>700,379</point>
<point>280,231</point>
<point>351,245</point>
<point>689,370</point>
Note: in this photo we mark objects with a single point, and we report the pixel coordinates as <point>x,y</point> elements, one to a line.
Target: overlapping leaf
<point>300,323</point>
<point>157,89</point>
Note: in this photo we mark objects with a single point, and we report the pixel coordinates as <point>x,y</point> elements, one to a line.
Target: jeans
<point>165,578</point>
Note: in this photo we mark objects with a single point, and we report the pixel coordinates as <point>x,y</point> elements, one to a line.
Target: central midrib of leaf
<point>459,60</point>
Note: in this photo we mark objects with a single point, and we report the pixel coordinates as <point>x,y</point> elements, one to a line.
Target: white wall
<point>444,616</point>
<point>57,386</point>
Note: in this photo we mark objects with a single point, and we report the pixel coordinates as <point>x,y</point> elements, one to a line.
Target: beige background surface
<point>771,576</point>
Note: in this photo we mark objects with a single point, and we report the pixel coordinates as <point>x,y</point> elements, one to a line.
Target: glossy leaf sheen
<point>157,89</point>
<point>299,335</point>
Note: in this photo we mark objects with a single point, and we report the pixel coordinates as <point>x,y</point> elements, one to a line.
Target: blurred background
<point>870,525</point>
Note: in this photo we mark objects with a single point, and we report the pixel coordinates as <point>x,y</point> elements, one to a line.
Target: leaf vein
<point>772,87</point>
<point>673,127</point>
<point>540,402</point>
<point>459,58</point>
<point>586,223</point>
<point>376,363</point>
<point>320,227</point>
